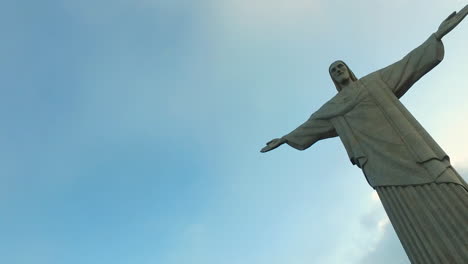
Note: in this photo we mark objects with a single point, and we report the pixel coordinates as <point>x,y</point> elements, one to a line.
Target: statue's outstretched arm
<point>401,75</point>
<point>305,135</point>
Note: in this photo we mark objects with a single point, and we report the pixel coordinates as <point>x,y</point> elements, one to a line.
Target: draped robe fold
<point>424,197</point>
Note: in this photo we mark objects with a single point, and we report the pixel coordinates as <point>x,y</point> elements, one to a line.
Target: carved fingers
<point>451,22</point>
<point>272,144</point>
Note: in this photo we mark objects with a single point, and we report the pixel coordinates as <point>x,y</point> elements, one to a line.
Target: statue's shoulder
<point>371,77</point>
<point>330,108</point>
<point>337,98</point>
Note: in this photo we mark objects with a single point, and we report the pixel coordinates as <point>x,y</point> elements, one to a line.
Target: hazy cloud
<point>387,251</point>
<point>384,245</point>
<point>264,15</point>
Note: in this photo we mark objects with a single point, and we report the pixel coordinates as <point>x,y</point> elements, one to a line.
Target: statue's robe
<point>409,170</point>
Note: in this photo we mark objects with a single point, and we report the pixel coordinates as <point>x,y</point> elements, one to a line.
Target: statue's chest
<point>357,100</point>
<point>365,113</point>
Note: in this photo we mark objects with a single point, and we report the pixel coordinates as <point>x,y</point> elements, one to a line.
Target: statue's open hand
<point>451,22</point>
<point>272,144</point>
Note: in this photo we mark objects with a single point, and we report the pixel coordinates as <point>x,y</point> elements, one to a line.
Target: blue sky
<point>131,129</point>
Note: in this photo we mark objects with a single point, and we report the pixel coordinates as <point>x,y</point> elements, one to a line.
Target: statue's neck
<point>348,84</point>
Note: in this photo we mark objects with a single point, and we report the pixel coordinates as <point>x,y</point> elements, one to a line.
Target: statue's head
<point>341,74</point>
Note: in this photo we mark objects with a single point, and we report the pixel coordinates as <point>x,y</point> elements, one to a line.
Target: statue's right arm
<point>305,135</point>
<point>401,75</point>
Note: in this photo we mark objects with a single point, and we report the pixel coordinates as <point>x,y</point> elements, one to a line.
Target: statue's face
<point>339,72</point>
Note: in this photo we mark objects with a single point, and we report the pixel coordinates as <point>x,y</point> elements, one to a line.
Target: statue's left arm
<point>401,75</point>
<point>305,135</point>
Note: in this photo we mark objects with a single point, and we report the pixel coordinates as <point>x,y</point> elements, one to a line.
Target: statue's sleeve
<point>310,132</point>
<point>401,75</point>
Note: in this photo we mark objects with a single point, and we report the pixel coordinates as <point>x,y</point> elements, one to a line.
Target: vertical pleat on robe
<point>431,221</point>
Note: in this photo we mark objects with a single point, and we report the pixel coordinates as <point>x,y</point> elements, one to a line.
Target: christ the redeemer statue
<point>424,197</point>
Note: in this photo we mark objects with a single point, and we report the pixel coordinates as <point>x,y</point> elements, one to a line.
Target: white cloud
<point>387,250</point>
<point>375,196</point>
<point>266,14</point>
<point>454,139</point>
<point>382,224</point>
<point>365,235</point>
<point>456,148</point>
<point>380,237</point>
